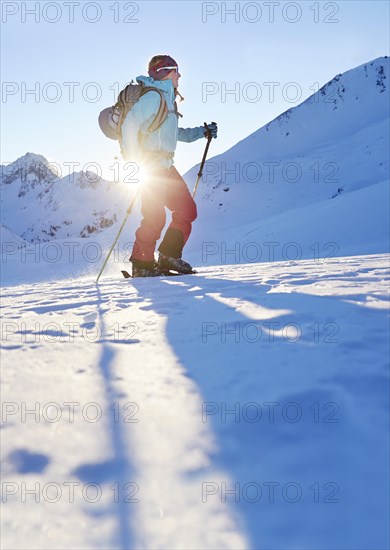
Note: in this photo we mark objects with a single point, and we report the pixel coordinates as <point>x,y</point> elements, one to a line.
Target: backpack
<point>111,118</point>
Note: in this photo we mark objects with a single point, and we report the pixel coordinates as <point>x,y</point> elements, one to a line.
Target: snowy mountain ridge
<point>345,104</point>
<point>39,205</point>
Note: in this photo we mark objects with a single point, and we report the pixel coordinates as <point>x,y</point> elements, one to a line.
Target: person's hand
<point>211,129</point>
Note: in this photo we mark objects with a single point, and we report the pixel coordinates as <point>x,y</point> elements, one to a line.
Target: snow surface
<point>175,355</point>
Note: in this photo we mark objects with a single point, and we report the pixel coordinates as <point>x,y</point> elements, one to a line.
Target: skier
<point>164,186</point>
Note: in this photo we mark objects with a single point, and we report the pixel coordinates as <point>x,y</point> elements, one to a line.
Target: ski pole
<point>209,138</point>
<point>119,232</point>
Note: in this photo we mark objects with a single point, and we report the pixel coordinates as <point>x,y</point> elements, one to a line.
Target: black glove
<point>210,130</point>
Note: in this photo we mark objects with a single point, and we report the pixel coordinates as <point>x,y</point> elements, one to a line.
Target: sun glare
<point>132,174</point>
<point>142,175</point>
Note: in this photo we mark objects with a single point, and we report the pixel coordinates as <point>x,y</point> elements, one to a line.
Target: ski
<point>168,273</point>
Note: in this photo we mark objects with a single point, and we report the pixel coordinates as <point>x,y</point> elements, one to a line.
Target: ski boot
<point>167,263</point>
<point>145,269</point>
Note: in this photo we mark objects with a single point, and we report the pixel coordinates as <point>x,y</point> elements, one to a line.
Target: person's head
<point>164,67</point>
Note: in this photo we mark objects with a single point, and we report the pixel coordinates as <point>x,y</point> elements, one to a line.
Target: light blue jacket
<point>136,124</point>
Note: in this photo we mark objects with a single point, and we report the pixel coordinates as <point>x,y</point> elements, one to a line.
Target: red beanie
<point>165,61</point>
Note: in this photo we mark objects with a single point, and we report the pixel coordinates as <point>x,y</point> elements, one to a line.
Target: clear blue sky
<point>219,46</point>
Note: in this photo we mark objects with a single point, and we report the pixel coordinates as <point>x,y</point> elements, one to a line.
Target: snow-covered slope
<point>8,237</point>
<point>241,408</point>
<point>297,178</point>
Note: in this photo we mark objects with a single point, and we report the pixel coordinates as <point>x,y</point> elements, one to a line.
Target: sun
<point>133,174</point>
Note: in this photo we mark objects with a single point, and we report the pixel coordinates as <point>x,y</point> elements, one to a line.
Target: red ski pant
<point>165,188</point>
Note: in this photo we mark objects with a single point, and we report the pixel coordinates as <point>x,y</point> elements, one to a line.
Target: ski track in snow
<point>158,351</point>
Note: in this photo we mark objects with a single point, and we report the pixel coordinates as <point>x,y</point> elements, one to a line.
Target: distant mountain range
<point>38,205</point>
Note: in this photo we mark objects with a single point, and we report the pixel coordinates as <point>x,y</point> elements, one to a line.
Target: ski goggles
<point>175,68</point>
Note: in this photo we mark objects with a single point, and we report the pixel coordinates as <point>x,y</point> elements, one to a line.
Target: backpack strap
<point>162,112</point>
<point>176,111</point>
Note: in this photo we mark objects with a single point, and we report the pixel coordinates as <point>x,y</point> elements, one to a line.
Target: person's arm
<point>139,118</point>
<point>190,134</point>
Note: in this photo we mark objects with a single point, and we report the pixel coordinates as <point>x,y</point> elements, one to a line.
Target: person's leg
<point>153,197</point>
<point>183,207</point>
